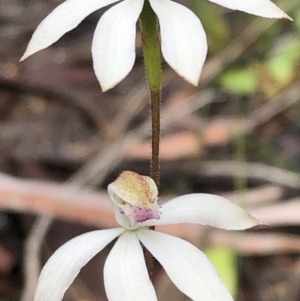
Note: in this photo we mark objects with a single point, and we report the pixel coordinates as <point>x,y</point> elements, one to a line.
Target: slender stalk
<point>152,63</point>
<point>155,141</point>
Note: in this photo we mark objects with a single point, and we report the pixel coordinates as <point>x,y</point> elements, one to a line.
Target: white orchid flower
<point>183,40</point>
<point>134,199</point>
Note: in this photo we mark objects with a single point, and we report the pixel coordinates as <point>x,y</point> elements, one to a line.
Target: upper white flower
<point>126,278</point>
<point>183,40</point>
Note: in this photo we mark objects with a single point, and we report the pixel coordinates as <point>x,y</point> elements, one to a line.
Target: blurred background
<point>238,134</point>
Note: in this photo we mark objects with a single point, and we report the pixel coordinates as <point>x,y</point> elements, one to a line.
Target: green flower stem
<point>152,63</point>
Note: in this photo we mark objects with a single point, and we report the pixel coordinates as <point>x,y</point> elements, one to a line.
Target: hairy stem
<point>152,63</point>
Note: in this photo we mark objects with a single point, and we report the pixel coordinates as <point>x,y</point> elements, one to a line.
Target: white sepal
<point>65,264</point>
<point>205,209</point>
<point>113,46</point>
<point>183,40</point>
<point>125,274</point>
<point>187,266</point>
<point>262,8</point>
<point>62,19</point>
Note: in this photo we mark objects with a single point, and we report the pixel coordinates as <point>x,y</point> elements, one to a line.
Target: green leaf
<point>225,262</point>
<point>281,65</point>
<point>218,32</point>
<point>296,17</point>
<point>239,81</point>
<point>281,68</point>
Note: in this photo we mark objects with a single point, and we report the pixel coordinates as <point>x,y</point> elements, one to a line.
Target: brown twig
<point>93,208</point>
<point>257,171</point>
<point>84,205</point>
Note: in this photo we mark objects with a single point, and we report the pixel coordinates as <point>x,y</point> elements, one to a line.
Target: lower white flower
<point>183,40</point>
<point>134,198</point>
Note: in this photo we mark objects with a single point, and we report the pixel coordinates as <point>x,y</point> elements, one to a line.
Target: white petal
<point>114,43</point>
<point>186,266</point>
<point>262,8</point>
<point>205,209</point>
<point>125,273</point>
<point>63,19</point>
<point>183,40</point>
<point>65,264</point>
